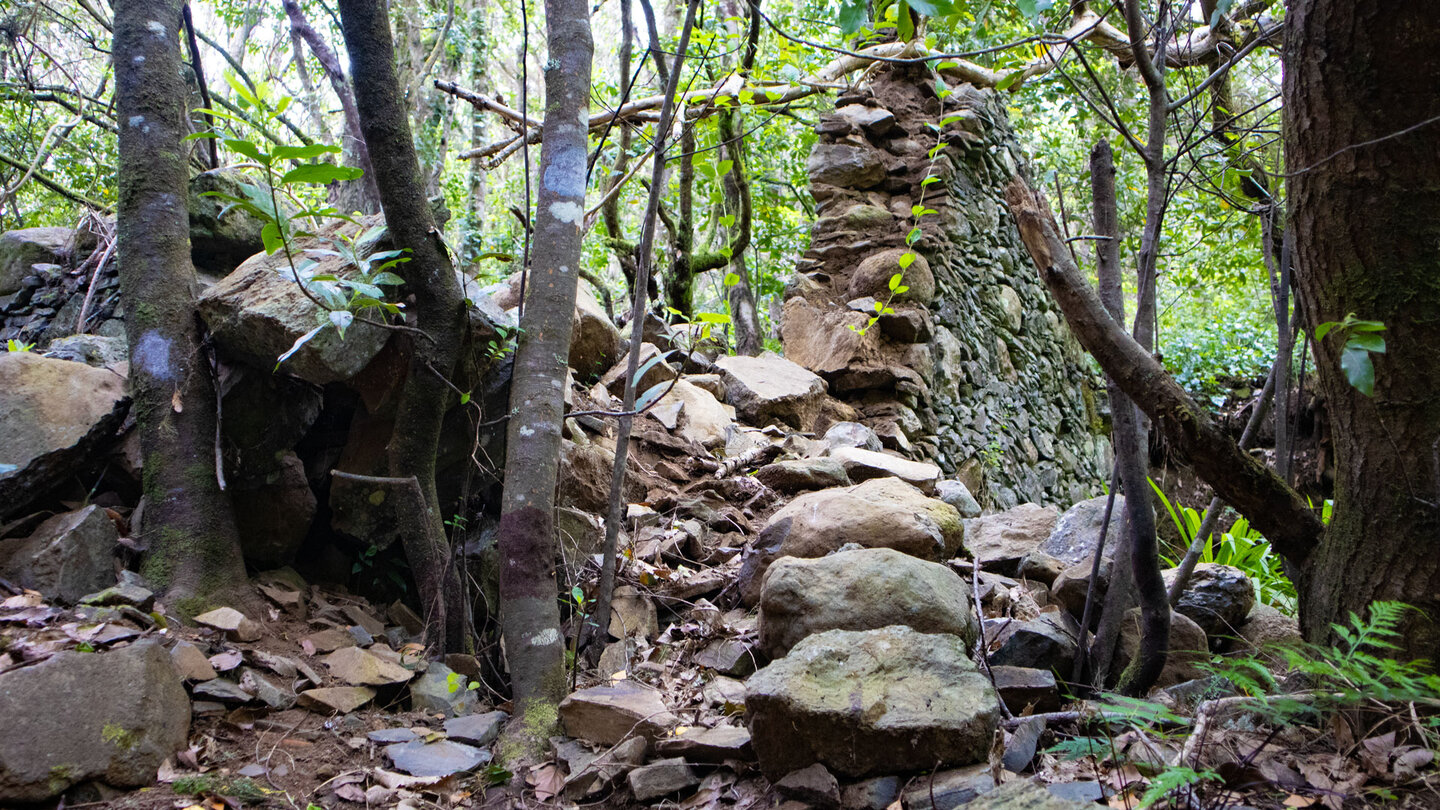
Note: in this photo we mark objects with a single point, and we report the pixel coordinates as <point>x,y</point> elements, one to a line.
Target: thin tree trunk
<point>744,315</point>
<point>530,617</point>
<point>194,556</point>
<point>436,308</point>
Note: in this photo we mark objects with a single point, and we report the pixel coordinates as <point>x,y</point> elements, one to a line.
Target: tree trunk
<point>436,308</point>
<point>1365,208</point>
<point>194,554</point>
<point>530,616</point>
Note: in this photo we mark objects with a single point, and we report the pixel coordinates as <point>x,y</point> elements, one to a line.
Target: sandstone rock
<point>99,351</point>
<point>814,785</point>
<point>440,690</point>
<point>112,717</point>
<point>608,714</point>
<point>1022,687</point>
<point>871,702</point>
<point>258,312</point>
<point>57,413</point>
<point>702,420</point>
<point>1077,533</point>
<point>330,640</point>
<point>231,622</point>
<point>266,415</point>
<point>476,729</point>
<point>336,699</point>
<point>1266,629</point>
<point>950,789</point>
<point>1217,597</point>
<point>864,589</point>
<point>846,166</point>
<point>877,793</point>
<point>709,745</point>
<point>661,779</point>
<point>822,338</point>
<point>190,663</point>
<point>876,121</point>
<point>222,690</point>
<point>862,465</point>
<point>1048,641</point>
<point>659,372</point>
<point>221,235</point>
<point>22,248</point>
<point>880,513</point>
<point>1189,647</point>
<point>851,434</point>
<point>769,388</point>
<point>274,513</point>
<point>595,342</point>
<point>1000,541</point>
<point>1037,566</point>
<point>1069,588</point>
<point>728,656</point>
<point>67,557</point>
<point>358,667</point>
<point>872,278</point>
<point>1024,794</point>
<point>958,495</point>
<point>439,758</point>
<point>633,614</point>
<point>801,474</point>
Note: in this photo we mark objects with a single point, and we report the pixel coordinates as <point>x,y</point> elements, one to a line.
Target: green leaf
<point>1370,342</point>
<point>933,8</point>
<point>342,318</point>
<point>904,26</point>
<point>1009,81</point>
<point>301,341</point>
<point>713,317</point>
<point>853,16</point>
<point>913,237</point>
<point>651,394</point>
<point>270,235</point>
<point>240,89</point>
<point>1324,329</point>
<point>304,152</point>
<point>320,173</point>
<point>1355,362</point>
<point>1032,8</point>
<point>728,220</point>
<point>898,280</point>
<point>723,167</point>
<point>649,364</point>
<point>1222,7</point>
<point>928,180</point>
<point>906,259</point>
<point>731,279</point>
<point>247,149</point>
<point>389,279</point>
<point>748,96</point>
<point>195,136</point>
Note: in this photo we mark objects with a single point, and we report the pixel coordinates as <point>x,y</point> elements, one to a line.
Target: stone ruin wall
<point>975,369</point>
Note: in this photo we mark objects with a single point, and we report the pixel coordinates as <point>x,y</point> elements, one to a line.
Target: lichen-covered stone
<point>879,701</point>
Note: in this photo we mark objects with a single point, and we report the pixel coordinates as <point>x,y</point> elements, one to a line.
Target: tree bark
<point>437,308</point>
<point>1365,212</point>
<point>194,556</point>
<point>530,616</point>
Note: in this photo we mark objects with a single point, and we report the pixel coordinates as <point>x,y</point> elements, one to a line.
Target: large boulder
<point>75,717</point>
<point>273,513</point>
<point>222,235</point>
<point>1077,533</point>
<point>69,556</point>
<point>1001,540</point>
<point>595,342</point>
<point>1217,597</point>
<point>880,513</point>
<point>266,415</point>
<point>871,702</point>
<point>1265,631</point>
<point>1189,648</point>
<point>797,474</point>
<point>699,416</point>
<point>56,414</point>
<point>258,312</point>
<point>863,589</point>
<point>21,249</point>
<point>770,388</point>
<point>1049,641</point>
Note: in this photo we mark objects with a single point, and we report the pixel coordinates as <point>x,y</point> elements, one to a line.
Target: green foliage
<point>1241,547</point>
<point>13,345</point>
<point>1361,341</point>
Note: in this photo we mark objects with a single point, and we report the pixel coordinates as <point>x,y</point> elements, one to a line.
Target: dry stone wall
<point>974,369</point>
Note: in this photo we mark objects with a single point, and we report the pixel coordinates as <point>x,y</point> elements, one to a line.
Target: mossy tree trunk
<point>1365,209</point>
<point>194,556</point>
<point>436,308</point>
<point>529,606</point>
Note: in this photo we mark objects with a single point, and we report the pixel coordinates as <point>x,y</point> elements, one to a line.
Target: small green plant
<point>455,682</point>
<point>1362,339</point>
<point>13,345</point>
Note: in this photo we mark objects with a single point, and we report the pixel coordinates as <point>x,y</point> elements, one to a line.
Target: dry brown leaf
<point>546,780</point>
<point>1296,800</point>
